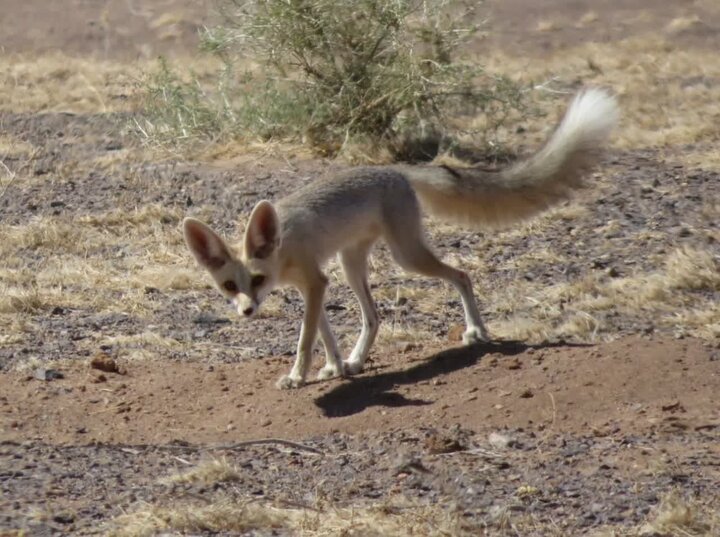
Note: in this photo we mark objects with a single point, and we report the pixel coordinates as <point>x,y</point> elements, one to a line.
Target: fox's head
<point>246,279</point>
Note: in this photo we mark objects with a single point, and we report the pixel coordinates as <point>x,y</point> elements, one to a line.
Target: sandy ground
<point>562,437</point>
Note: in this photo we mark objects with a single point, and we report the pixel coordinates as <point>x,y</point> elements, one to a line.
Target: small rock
<point>499,441</point>
<point>64,518</point>
<point>527,393</point>
<point>675,406</point>
<point>437,443</point>
<point>407,464</point>
<point>208,318</point>
<point>455,333</point>
<point>47,374</point>
<point>408,346</point>
<point>513,364</point>
<point>104,362</point>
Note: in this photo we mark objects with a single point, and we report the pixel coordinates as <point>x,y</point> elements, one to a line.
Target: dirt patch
<point>604,420</point>
<point>575,437</point>
<point>634,384</point>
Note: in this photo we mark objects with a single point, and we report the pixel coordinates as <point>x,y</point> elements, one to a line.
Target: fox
<point>287,243</point>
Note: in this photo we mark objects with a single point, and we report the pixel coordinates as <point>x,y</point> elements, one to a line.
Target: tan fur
<point>287,243</point>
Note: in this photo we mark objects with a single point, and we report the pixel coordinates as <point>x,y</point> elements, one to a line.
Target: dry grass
<point>137,347</point>
<point>679,516</point>
<point>102,263</point>
<point>674,516</point>
<point>681,24</point>
<point>392,333</point>
<point>666,92</point>
<point>571,310</point>
<point>587,19</point>
<point>11,146</point>
<point>207,473</point>
<point>58,83</point>
<point>61,83</point>
<point>397,519</point>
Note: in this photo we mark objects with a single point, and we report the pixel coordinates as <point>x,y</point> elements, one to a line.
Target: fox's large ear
<point>262,235</point>
<point>206,245</point>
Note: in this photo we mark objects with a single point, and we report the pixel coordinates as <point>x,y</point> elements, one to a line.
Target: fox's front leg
<point>313,297</point>
<point>333,360</point>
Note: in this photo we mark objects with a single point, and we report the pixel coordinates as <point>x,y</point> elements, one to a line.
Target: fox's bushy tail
<point>482,198</point>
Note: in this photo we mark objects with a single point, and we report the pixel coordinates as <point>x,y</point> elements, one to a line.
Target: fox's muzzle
<point>246,307</point>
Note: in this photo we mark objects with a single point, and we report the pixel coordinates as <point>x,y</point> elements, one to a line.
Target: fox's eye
<point>230,286</point>
<point>257,280</point>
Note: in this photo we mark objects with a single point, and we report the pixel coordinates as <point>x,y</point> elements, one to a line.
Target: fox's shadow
<point>359,393</point>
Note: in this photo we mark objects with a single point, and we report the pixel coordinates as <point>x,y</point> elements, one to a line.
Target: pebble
<point>42,373</point>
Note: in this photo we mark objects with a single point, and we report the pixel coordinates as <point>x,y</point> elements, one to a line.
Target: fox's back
<point>348,207</point>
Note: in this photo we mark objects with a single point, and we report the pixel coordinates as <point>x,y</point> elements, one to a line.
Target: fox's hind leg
<point>354,264</point>
<point>407,244</point>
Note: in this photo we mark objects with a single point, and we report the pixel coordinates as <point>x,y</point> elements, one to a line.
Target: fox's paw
<point>329,372</point>
<point>287,382</point>
<point>475,334</point>
<point>353,367</point>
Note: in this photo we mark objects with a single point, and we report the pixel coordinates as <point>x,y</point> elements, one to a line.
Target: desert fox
<point>287,243</point>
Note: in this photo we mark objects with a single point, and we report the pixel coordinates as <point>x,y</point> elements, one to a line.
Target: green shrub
<point>384,72</point>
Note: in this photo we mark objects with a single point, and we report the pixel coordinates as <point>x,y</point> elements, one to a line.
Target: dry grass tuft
<point>690,268</point>
<point>588,18</point>
<point>38,234</point>
<point>207,473</point>
<point>13,147</point>
<point>678,516</point>
<point>217,517</point>
<point>681,24</point>
<point>227,516</point>
<point>23,300</point>
<point>547,26</point>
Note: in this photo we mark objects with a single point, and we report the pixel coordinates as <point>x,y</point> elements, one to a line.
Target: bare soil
<point>562,436</point>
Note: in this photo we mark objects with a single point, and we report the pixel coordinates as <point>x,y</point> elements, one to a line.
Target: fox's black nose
<point>248,311</point>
